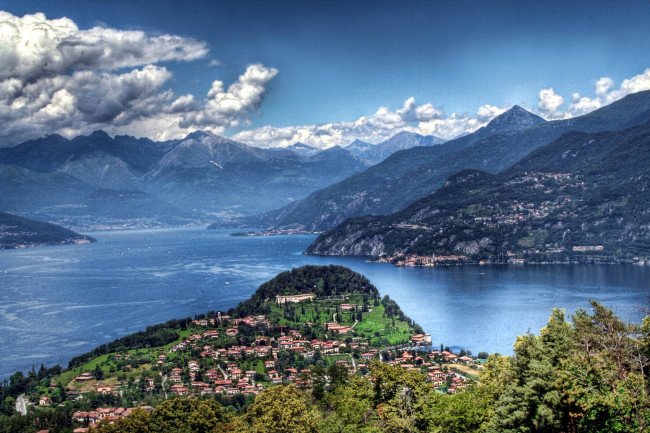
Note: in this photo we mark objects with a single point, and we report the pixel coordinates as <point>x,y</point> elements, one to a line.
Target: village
<point>231,359</point>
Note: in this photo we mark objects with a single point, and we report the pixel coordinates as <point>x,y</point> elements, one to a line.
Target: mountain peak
<point>358,147</point>
<point>515,119</point>
<point>358,142</point>
<point>99,134</point>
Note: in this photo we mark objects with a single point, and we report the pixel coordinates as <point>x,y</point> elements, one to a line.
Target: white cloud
<point>424,119</point>
<point>227,108</point>
<point>427,120</point>
<point>606,93</point>
<point>33,47</point>
<point>56,78</point>
<point>82,101</point>
<point>549,104</point>
<point>488,112</point>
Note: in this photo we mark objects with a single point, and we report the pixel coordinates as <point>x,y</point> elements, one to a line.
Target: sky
<point>270,73</point>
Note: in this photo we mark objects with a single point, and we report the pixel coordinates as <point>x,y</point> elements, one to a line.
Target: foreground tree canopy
<point>587,375</point>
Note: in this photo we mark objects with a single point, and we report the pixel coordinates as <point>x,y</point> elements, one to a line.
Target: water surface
<point>59,302</point>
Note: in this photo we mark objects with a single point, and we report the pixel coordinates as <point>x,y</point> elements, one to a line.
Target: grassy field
<point>466,370</point>
<point>380,330</point>
<point>105,362</point>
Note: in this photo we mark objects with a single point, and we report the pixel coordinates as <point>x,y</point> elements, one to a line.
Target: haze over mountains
<point>400,141</point>
<point>97,181</point>
<point>412,174</point>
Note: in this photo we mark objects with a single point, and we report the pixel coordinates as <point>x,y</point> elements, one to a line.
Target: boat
<point>227,283</point>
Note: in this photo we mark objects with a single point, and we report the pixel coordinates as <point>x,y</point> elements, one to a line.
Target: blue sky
<point>340,60</point>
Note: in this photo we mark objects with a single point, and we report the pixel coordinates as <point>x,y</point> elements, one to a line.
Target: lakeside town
<point>231,359</point>
<point>276,232</point>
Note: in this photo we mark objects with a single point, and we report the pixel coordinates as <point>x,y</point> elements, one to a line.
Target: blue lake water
<point>59,302</point>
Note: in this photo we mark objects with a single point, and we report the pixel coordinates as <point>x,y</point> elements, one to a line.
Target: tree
<point>401,397</point>
<point>338,375</point>
<point>352,408</point>
<point>535,400</point>
<point>465,412</point>
<point>605,377</point>
<point>187,416</point>
<point>98,373</point>
<point>281,409</point>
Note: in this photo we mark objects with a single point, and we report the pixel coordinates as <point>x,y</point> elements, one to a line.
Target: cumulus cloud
<point>606,93</point>
<point>56,78</point>
<point>83,99</point>
<point>422,119</point>
<point>227,108</point>
<point>549,104</point>
<point>488,112</point>
<point>33,46</point>
<point>427,120</point>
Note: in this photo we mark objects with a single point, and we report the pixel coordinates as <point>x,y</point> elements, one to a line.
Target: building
<point>283,299</point>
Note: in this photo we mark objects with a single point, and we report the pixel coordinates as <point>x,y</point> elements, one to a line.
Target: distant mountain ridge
<point>409,175</point>
<point>177,181</point>
<point>358,147</point>
<point>582,198</point>
<point>375,153</point>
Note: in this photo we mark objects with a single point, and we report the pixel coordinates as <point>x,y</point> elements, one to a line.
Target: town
<point>233,359</point>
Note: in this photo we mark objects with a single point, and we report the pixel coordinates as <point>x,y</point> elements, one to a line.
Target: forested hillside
<point>582,198</point>
<point>412,174</point>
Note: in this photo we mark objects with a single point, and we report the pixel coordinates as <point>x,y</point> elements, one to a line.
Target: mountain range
<point>96,181</point>
<point>584,197</point>
<point>412,174</point>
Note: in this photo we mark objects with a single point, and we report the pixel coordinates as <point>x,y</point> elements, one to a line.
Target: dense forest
<point>320,280</point>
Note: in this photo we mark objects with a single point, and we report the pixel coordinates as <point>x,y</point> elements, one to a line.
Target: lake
<point>59,302</point>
